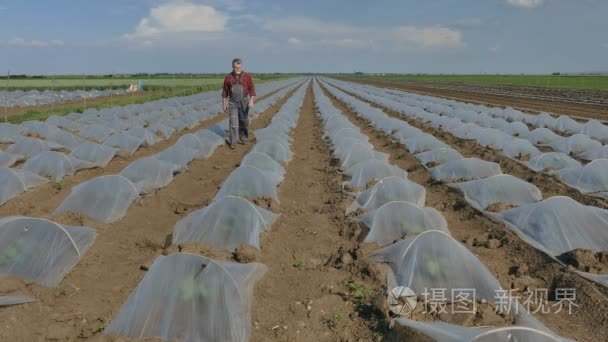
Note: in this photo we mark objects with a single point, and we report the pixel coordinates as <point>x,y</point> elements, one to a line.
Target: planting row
<point>44,251</point>
<point>193,298</point>
<point>556,225</point>
<point>132,129</point>
<point>424,256</point>
<point>506,130</point>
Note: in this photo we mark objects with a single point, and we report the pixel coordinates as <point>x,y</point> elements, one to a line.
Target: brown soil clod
<point>586,260</point>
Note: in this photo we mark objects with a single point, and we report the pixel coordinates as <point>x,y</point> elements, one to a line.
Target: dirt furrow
<point>515,264</point>
<point>317,288</point>
<point>87,299</point>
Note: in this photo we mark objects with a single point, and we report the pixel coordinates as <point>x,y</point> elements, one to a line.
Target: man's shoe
<point>243,142</point>
<point>232,147</point>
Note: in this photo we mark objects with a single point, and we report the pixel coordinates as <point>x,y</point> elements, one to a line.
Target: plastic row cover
<point>14,182</point>
<point>29,147</point>
<point>559,224</point>
<point>465,169</point>
<point>8,159</point>
<point>190,298</point>
<point>55,165</point>
<point>225,224</point>
<point>14,300</point>
<point>591,178</point>
<point>387,190</point>
<point>433,259</point>
<point>503,189</point>
<point>438,156</point>
<point>41,250</point>
<point>149,174</point>
<point>105,199</point>
<point>393,220</point>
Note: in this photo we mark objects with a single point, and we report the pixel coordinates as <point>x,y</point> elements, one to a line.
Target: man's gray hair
<point>236,61</point>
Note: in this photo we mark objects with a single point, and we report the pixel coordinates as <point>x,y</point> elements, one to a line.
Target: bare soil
<point>318,287</point>
<point>476,96</point>
<point>515,264</point>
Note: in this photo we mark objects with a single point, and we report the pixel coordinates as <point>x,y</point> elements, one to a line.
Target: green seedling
<point>358,291</point>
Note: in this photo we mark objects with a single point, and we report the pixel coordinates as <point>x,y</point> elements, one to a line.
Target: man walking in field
<point>238,96</point>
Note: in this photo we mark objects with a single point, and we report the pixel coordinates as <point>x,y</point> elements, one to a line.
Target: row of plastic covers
<point>44,251</point>
<point>555,225</point>
<point>388,203</point>
<point>430,258</point>
<point>20,98</point>
<point>107,198</point>
<point>512,138</point>
<point>191,298</point>
<point>53,165</point>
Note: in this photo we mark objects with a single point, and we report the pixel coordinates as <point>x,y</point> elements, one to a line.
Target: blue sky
<point>427,36</point>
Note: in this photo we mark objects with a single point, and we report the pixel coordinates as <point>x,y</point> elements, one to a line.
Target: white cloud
<point>21,42</point>
<point>294,41</point>
<point>348,36</point>
<point>180,17</point>
<point>495,49</point>
<point>525,3</point>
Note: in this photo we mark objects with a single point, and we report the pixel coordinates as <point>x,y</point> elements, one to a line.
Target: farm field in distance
<point>597,82</point>
<point>527,93</point>
<point>152,81</point>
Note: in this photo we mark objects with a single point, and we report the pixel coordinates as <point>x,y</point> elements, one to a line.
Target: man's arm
<point>225,91</point>
<point>251,91</point>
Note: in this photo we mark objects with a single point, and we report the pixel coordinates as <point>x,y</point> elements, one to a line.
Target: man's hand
<point>225,105</point>
<point>250,104</point>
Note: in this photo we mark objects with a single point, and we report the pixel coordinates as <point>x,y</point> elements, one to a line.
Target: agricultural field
<point>361,210</point>
<point>151,82</point>
<point>583,96</point>
<point>81,92</point>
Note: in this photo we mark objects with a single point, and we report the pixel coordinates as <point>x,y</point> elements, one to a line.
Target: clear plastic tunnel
<point>265,163</point>
<point>14,182</point>
<point>387,190</point>
<point>433,259</point>
<point>41,250</point>
<point>29,147</point>
<point>393,220</point>
<point>225,224</point>
<point>149,174</point>
<point>96,154</point>
<point>15,300</point>
<point>96,133</point>
<point>8,159</point>
<point>551,162</point>
<point>105,199</point>
<point>438,156</point>
<point>372,170</point>
<point>190,298</point>
<point>576,144</point>
<point>591,178</point>
<point>275,149</point>
<point>520,149</point>
<point>559,224</point>
<point>503,190</point>
<point>51,165</point>
<point>250,183</point>
<point>464,170</point>
<point>125,144</point>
